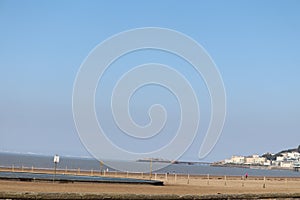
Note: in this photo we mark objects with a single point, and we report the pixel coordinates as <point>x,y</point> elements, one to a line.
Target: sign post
<point>56,161</point>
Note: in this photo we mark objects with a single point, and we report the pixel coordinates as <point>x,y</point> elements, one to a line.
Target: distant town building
<point>255,160</point>
<point>279,158</point>
<point>288,160</point>
<point>267,163</point>
<point>286,164</point>
<point>236,160</point>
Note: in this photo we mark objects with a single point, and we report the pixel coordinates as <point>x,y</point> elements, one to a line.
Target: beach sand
<point>195,185</point>
<point>173,185</point>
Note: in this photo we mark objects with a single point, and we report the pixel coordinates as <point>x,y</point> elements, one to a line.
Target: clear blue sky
<point>255,45</point>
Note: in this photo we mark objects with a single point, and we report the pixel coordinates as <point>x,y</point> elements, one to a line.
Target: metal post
<point>151,169</point>
<point>243,180</point>
<point>286,181</point>
<point>56,161</point>
<point>207,179</point>
<point>55,166</point>
<point>101,167</point>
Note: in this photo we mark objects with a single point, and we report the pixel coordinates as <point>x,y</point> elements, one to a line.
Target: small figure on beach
<point>246,175</point>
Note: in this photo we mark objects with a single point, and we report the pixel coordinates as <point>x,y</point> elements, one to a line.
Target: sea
<point>18,160</point>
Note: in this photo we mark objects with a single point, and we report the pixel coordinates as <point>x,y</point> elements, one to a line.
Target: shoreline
<point>244,166</point>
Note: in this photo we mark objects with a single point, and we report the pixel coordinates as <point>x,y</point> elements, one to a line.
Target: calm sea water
<point>28,160</point>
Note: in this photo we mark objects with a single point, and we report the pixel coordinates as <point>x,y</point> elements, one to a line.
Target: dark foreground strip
<point>25,176</point>
<point>81,196</point>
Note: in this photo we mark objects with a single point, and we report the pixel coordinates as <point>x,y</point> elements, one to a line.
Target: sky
<point>254,44</point>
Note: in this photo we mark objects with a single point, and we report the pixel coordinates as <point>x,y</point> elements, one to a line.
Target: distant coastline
<point>284,160</point>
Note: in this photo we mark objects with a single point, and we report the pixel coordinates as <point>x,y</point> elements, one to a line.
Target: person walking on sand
<point>246,175</point>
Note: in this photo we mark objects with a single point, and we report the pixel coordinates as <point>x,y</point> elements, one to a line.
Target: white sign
<point>56,159</point>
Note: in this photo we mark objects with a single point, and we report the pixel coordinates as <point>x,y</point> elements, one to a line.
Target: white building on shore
<point>248,160</point>
<point>288,160</point>
<point>236,160</point>
<point>255,160</point>
<point>285,160</point>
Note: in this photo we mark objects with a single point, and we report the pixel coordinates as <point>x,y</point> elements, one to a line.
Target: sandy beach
<point>173,185</point>
<point>196,186</point>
